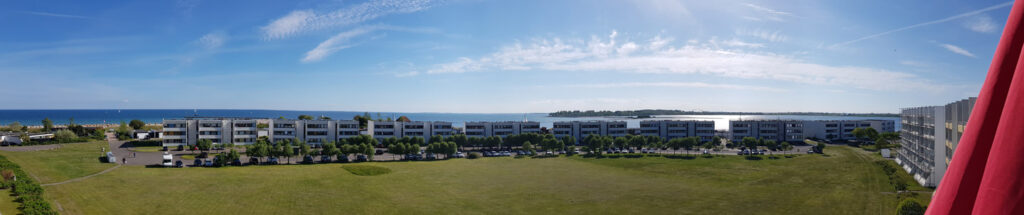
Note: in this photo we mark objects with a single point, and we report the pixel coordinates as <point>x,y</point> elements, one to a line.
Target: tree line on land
<point>881,140</point>
<point>72,133</point>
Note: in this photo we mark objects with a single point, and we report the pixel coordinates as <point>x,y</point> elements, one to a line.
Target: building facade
<point>922,143</point>
<point>501,129</point>
<point>582,129</point>
<point>244,131</point>
<point>671,129</point>
<point>798,130</point>
<point>929,138</point>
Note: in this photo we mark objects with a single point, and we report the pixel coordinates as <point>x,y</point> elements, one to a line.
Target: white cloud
<point>407,74</point>
<point>301,21</point>
<point>213,40</point>
<point>343,40</point>
<point>58,15</point>
<point>739,43</point>
<point>957,49</point>
<point>947,19</point>
<point>914,63</point>
<point>678,84</point>
<point>702,59</point>
<point>980,23</point>
<point>771,36</point>
<point>770,14</point>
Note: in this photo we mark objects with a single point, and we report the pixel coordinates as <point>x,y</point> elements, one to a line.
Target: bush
<point>64,136</point>
<point>28,192</point>
<point>473,155</point>
<point>910,206</point>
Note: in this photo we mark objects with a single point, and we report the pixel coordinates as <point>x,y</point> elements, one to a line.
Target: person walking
<point>124,160</point>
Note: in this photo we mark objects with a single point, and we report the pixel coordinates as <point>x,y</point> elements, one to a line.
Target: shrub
<point>7,174</point>
<point>473,155</point>
<point>910,206</point>
<point>366,170</point>
<point>65,136</point>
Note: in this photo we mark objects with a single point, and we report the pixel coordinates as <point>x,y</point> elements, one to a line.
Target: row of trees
<point>882,140</point>
<point>757,144</point>
<point>290,148</point>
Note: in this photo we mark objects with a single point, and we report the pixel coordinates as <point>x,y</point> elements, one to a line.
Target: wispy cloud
<point>770,14</point>
<point>957,49</point>
<point>739,43</point>
<point>980,23</point>
<point>213,40</point>
<point>55,15</point>
<point>771,36</point>
<point>693,58</point>
<point>914,63</point>
<point>677,85</point>
<point>947,19</point>
<point>301,21</point>
<point>343,40</point>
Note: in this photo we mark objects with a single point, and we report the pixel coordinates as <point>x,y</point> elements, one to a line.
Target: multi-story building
<point>501,129</point>
<point>929,137</point>
<point>957,114</point>
<point>798,130</point>
<point>426,130</point>
<point>243,131</point>
<point>671,129</point>
<point>582,129</point>
<point>920,144</point>
<point>386,129</point>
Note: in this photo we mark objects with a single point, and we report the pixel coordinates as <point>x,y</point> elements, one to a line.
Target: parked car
<point>307,159</point>
<point>548,153</point>
<point>739,153</point>
<point>208,163</point>
<point>562,152</point>
<point>431,156</point>
<point>197,162</point>
<point>236,162</point>
<point>379,152</point>
<point>343,158</point>
<point>632,151</point>
<point>810,151</point>
<point>179,164</point>
<point>325,158</point>
<point>272,160</point>
<point>643,151</point>
<point>576,151</point>
<point>706,151</point>
<point>487,154</point>
<point>362,158</point>
<point>460,155</point>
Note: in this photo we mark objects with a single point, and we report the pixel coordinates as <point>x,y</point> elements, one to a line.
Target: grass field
<point>844,182</point>
<point>67,162</point>
<point>8,205</point>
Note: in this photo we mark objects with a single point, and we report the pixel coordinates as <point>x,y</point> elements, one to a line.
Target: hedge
<point>29,193</point>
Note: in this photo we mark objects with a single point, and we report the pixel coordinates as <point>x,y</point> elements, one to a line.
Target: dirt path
<point>83,177</point>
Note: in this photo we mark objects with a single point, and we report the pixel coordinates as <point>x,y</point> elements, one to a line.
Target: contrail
<point>962,15</point>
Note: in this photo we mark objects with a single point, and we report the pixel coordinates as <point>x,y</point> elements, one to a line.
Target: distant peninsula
<point>646,113</point>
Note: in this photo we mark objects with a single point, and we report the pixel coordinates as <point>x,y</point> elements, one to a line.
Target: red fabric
<point>986,175</point>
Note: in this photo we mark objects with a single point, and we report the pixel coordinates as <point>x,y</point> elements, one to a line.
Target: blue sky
<point>489,56</point>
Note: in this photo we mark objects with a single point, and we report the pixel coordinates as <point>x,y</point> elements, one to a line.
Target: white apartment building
<point>426,130</point>
<point>928,139</point>
<point>582,129</point>
<point>922,144</point>
<point>501,129</point>
<point>798,130</point>
<point>243,131</point>
<point>671,129</point>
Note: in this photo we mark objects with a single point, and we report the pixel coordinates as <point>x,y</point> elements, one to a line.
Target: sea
<point>114,116</point>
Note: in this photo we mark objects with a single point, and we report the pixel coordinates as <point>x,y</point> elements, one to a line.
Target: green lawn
<point>7,203</point>
<point>845,182</point>
<point>67,162</point>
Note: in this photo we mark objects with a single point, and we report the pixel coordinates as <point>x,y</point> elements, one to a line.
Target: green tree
<point>403,119</point>
<point>47,125</point>
<point>287,151</point>
<point>910,206</point>
<point>820,148</point>
<point>620,142</point>
<point>529,148</point>
<point>14,126</point>
<point>204,144</point>
<point>136,124</point>
<point>749,143</point>
<point>786,147</point>
<point>688,143</point>
<point>65,136</point>
<point>303,149</point>
<point>368,151</point>
<point>305,117</point>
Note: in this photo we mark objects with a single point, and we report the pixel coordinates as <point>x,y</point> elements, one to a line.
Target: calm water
<point>35,117</point>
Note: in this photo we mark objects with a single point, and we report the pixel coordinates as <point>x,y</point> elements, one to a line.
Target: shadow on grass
<point>754,158</point>
<point>684,157</point>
